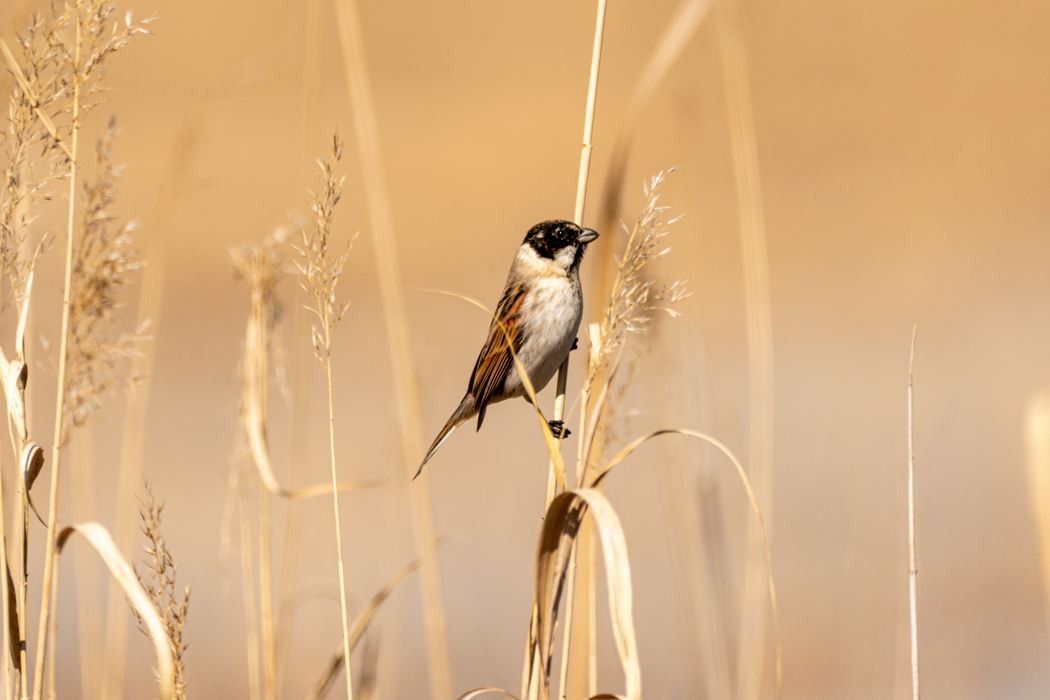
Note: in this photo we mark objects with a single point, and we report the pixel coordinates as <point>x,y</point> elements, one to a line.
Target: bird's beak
<point>586,236</point>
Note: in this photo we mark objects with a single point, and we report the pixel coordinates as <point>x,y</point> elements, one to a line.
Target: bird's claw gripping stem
<point>558,429</point>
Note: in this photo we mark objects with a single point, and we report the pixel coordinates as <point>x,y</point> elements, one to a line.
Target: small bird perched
<point>540,312</point>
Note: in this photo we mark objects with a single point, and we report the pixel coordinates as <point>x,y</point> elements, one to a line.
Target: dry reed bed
<point>58,79</point>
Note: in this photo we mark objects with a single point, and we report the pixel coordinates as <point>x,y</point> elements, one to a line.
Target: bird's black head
<point>560,240</point>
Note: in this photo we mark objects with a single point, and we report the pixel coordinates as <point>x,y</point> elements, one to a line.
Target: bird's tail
<point>464,413</point>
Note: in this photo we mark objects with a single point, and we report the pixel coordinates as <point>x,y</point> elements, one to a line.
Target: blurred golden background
<point>904,153</point>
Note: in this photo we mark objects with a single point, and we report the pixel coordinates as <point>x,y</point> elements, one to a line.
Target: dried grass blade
<point>361,622</point>
<point>99,538</point>
<point>627,451</point>
<point>477,692</point>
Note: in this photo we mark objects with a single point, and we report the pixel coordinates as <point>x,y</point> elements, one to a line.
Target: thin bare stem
<point>563,371</point>
<point>752,641</point>
<point>60,401</point>
<point>913,573</point>
<point>23,584</point>
<point>338,531</point>
<point>406,385</point>
<point>51,695</point>
<point>581,191</point>
<point>7,612</point>
<point>266,598</point>
<point>250,611</point>
<point>320,274</point>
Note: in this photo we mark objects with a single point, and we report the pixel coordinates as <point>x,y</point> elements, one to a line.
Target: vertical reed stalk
<point>22,513</point>
<point>250,611</point>
<point>335,505</point>
<point>586,533</point>
<point>581,201</point>
<point>56,449</point>
<point>4,568</point>
<point>913,596</point>
<point>85,568</point>
<point>406,389</point>
<point>266,596</point>
<point>300,362</point>
<point>53,635</point>
<point>760,341</point>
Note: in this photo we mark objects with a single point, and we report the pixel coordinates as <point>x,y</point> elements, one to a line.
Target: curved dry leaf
<point>99,538</point>
<point>12,623</point>
<point>627,451</point>
<point>32,463</point>
<point>476,692</point>
<point>560,527</point>
<point>14,379</point>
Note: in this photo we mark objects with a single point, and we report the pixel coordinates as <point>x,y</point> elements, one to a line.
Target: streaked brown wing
<point>495,360</point>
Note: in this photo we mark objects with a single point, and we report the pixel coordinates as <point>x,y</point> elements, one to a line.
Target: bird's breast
<point>551,315</point>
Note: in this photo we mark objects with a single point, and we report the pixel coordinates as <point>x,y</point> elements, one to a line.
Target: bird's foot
<point>558,428</point>
<point>575,344</point>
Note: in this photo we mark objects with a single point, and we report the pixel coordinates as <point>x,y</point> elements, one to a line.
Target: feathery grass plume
<point>79,40</point>
<point>102,263</point>
<point>320,273</point>
<point>160,585</point>
<point>633,299</point>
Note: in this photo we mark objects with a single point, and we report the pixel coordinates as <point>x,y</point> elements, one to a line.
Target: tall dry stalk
<point>82,480</point>
<point>300,360</point>
<point>752,640</point>
<point>1037,448</point>
<point>262,269</point>
<point>406,386</point>
<point>913,573</point>
<point>320,269</point>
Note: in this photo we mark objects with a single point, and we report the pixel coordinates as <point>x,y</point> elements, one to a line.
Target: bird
<point>538,314</point>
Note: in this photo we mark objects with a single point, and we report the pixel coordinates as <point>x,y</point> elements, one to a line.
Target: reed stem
<point>563,371</point>
<point>913,573</point>
<point>335,505</point>
<point>56,450</point>
<point>406,387</point>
